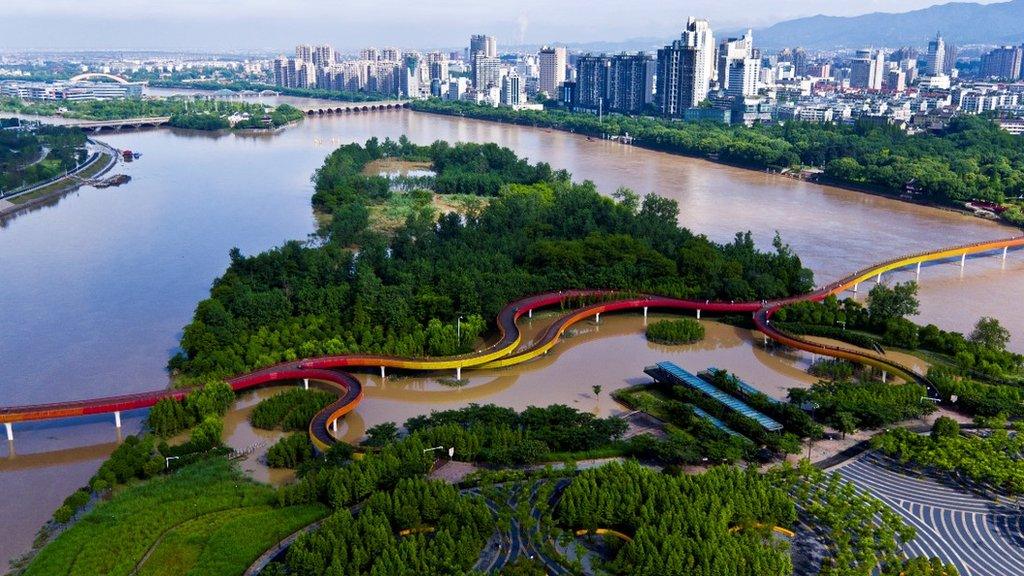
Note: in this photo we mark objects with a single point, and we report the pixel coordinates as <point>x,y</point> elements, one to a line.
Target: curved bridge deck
<point>503,351</point>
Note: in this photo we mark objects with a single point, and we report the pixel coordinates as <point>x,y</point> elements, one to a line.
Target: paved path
<point>978,535</point>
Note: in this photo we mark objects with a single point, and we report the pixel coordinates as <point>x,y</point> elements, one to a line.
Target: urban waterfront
<point>102,275</point>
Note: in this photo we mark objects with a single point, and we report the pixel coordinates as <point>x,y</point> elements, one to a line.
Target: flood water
<point>98,285</point>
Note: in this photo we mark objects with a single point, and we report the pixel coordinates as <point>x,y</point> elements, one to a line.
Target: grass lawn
<point>205,519</point>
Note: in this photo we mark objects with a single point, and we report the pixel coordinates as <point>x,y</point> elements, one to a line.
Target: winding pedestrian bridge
<point>506,350</point>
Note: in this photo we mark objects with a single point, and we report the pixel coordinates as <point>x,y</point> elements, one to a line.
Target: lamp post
<point>458,329</point>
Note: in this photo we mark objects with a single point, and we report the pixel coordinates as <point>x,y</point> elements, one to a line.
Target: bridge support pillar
<point>918,269</point>
<point>382,373</point>
<point>645,311</point>
<point>879,279</point>
<point>856,286</point>
<point>698,313</point>
<point>305,383</point>
<point>1005,249</point>
<point>458,372</point>
<point>10,431</point>
<point>529,314</point>
<point>117,419</point>
<point>598,318</point>
<point>885,376</point>
<point>963,259</point>
<point>334,425</point>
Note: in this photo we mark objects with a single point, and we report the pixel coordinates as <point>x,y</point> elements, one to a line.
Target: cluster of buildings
<point>695,77</point>
<point>73,91</point>
<point>478,73</point>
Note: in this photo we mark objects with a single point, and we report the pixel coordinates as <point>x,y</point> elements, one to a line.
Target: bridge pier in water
<point>305,383</point>
<point>529,313</point>
<point>382,373</point>
<point>963,259</point>
<point>918,269</point>
<point>458,372</point>
<point>334,425</point>
<point>117,419</point>
<point>698,313</point>
<point>645,312</point>
<point>10,431</point>
<point>598,318</point>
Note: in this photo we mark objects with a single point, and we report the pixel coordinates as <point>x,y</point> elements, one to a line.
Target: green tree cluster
<point>450,531</point>
<point>356,290</point>
<point>711,524</point>
<point>993,458</point>
<point>681,331</point>
<point>290,410</point>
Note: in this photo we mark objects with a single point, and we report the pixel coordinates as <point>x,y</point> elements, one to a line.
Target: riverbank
<point>592,128</point>
<point>99,163</point>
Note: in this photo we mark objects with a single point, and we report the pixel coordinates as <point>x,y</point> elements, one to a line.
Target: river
<point>98,285</point>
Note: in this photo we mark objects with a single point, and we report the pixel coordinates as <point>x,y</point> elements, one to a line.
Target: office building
<point>552,69</point>
<point>482,48</point>
<point>739,67</point>
<point>936,62</point>
<point>486,72</point>
<point>867,70</point>
<point>684,69</point>
<point>512,90</point>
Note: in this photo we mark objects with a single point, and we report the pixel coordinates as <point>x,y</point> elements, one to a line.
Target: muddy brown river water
<point>98,285</point>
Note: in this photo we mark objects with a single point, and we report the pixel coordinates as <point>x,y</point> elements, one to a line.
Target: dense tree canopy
<point>355,289</point>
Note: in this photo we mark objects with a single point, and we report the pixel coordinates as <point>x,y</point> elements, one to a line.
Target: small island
<point>674,332</point>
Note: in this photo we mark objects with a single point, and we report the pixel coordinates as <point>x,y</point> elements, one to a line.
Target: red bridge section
<point>503,351</point>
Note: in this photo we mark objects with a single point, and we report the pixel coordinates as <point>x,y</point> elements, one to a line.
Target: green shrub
<point>682,331</point>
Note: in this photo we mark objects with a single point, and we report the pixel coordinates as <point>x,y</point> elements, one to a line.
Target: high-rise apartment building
<point>304,53</point>
<point>1003,63</point>
<point>684,68</point>
<point>552,69</point>
<point>322,56</point>
<point>617,83</point>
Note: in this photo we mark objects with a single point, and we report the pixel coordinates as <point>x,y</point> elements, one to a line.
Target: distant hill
<point>960,23</point>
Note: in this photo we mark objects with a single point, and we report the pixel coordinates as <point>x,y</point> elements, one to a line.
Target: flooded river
<point>98,285</point>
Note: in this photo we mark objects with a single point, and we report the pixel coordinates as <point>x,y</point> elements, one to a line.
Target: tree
<point>845,423</point>
<point>597,389</point>
<point>989,333</point>
<point>898,302</point>
<point>945,427</point>
<point>381,434</point>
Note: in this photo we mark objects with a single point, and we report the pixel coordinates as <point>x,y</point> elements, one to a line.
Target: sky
<point>277,25</point>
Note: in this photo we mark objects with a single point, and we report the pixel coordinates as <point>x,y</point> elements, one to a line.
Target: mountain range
<point>960,23</point>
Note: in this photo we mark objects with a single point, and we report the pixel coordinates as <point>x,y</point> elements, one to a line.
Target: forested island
<point>539,231</point>
<point>972,159</point>
<point>188,113</point>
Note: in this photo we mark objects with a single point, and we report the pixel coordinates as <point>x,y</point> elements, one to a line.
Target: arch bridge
<point>115,125</point>
<point>354,107</point>
<point>98,76</point>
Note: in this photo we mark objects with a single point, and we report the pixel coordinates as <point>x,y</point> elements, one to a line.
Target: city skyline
<point>263,25</point>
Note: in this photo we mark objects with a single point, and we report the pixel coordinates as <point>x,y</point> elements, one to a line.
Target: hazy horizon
<point>265,25</point>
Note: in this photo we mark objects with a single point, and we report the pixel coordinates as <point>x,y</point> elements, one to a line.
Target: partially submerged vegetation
<point>672,332</point>
<point>38,154</point>
<point>358,289</point>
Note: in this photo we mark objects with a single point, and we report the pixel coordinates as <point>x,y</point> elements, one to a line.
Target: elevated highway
<point>505,351</point>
